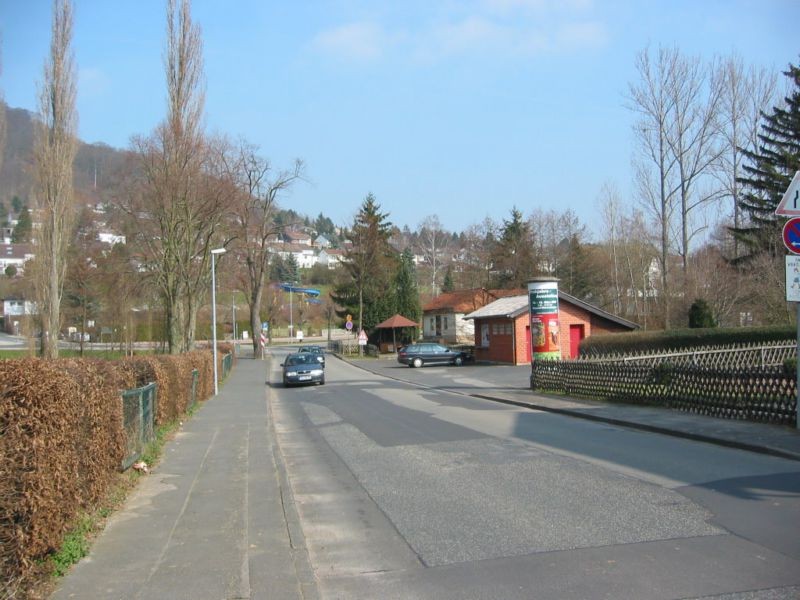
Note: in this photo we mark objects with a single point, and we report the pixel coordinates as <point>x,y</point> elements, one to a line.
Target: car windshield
<point>299,359</point>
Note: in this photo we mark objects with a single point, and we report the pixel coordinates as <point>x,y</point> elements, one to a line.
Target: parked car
<point>316,351</point>
<point>416,355</point>
<point>302,367</point>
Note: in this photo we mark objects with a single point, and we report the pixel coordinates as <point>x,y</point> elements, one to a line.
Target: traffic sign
<point>789,205</point>
<point>791,235</point>
<point>348,325</point>
<point>265,326</point>
<point>362,338</point>
<point>792,278</point>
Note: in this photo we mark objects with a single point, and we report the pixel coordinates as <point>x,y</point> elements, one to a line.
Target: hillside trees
<point>54,151</point>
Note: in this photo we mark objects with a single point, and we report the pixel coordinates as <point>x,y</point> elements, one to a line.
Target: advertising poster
<point>545,342</point>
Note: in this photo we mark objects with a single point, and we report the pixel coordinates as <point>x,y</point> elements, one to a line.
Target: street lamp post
<point>214,253</point>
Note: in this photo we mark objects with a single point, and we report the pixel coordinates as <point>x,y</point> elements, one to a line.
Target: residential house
<point>110,238</point>
<point>294,237</point>
<point>503,333</point>
<point>443,317</point>
<point>15,255</point>
<point>16,311</point>
<point>322,242</point>
<point>304,256</point>
<point>331,257</point>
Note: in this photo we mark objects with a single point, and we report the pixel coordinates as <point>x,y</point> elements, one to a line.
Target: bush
<point>678,339</point>
<point>60,445</point>
<point>62,442</point>
<point>700,315</point>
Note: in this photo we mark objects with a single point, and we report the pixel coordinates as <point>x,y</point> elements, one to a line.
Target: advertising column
<point>543,295</point>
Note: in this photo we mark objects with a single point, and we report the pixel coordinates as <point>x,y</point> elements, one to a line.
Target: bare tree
<point>54,152</point>
<point>258,189</point>
<point>474,266</point>
<point>746,93</point>
<point>655,165</point>
<point>434,244</point>
<point>177,209</point>
<point>696,92</point>
<point>611,208</point>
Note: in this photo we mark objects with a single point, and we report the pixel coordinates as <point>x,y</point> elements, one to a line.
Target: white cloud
<point>354,41</point>
<point>489,29</point>
<point>576,36</point>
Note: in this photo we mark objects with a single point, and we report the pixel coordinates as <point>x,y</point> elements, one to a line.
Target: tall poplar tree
<point>54,153</point>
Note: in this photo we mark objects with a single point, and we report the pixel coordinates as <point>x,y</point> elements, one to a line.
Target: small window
<point>508,329</point>
<point>495,329</point>
<point>444,324</point>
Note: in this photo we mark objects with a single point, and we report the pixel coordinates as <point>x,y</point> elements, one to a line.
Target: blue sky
<point>459,109</point>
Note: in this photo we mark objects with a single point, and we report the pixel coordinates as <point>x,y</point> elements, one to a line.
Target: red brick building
<point>502,328</point>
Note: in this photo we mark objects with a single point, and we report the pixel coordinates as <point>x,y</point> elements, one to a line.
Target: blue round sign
<point>791,235</point>
<point>348,325</point>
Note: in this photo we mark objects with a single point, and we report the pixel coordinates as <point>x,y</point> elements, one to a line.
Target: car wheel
<point>417,362</point>
<point>322,381</point>
<point>458,361</point>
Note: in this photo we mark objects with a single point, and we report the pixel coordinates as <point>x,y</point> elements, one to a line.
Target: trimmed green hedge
<point>678,339</point>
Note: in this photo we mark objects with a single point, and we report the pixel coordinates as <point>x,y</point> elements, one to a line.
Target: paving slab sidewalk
<point>214,519</point>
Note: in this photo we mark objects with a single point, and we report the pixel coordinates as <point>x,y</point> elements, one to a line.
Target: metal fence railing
<point>138,417</point>
<point>139,412</point>
<point>227,365</point>
<point>195,379</point>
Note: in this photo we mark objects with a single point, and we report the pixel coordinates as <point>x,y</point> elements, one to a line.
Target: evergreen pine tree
<point>369,267</point>
<point>771,167</point>
<point>700,315</point>
<point>405,288</point>
<point>448,285</point>
<point>291,271</point>
<point>513,259</point>
<point>22,231</point>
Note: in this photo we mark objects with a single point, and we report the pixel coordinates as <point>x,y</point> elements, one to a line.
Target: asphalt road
<point>410,492</point>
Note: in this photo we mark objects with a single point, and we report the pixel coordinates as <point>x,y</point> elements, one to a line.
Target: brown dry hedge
<point>62,442</point>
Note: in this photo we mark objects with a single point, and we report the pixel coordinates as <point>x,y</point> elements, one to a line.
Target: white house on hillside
<point>15,255</point>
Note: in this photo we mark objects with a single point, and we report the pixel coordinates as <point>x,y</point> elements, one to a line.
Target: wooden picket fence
<point>738,390</point>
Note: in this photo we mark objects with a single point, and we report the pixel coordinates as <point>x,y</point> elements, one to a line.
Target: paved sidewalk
<point>210,521</point>
<point>775,440</point>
